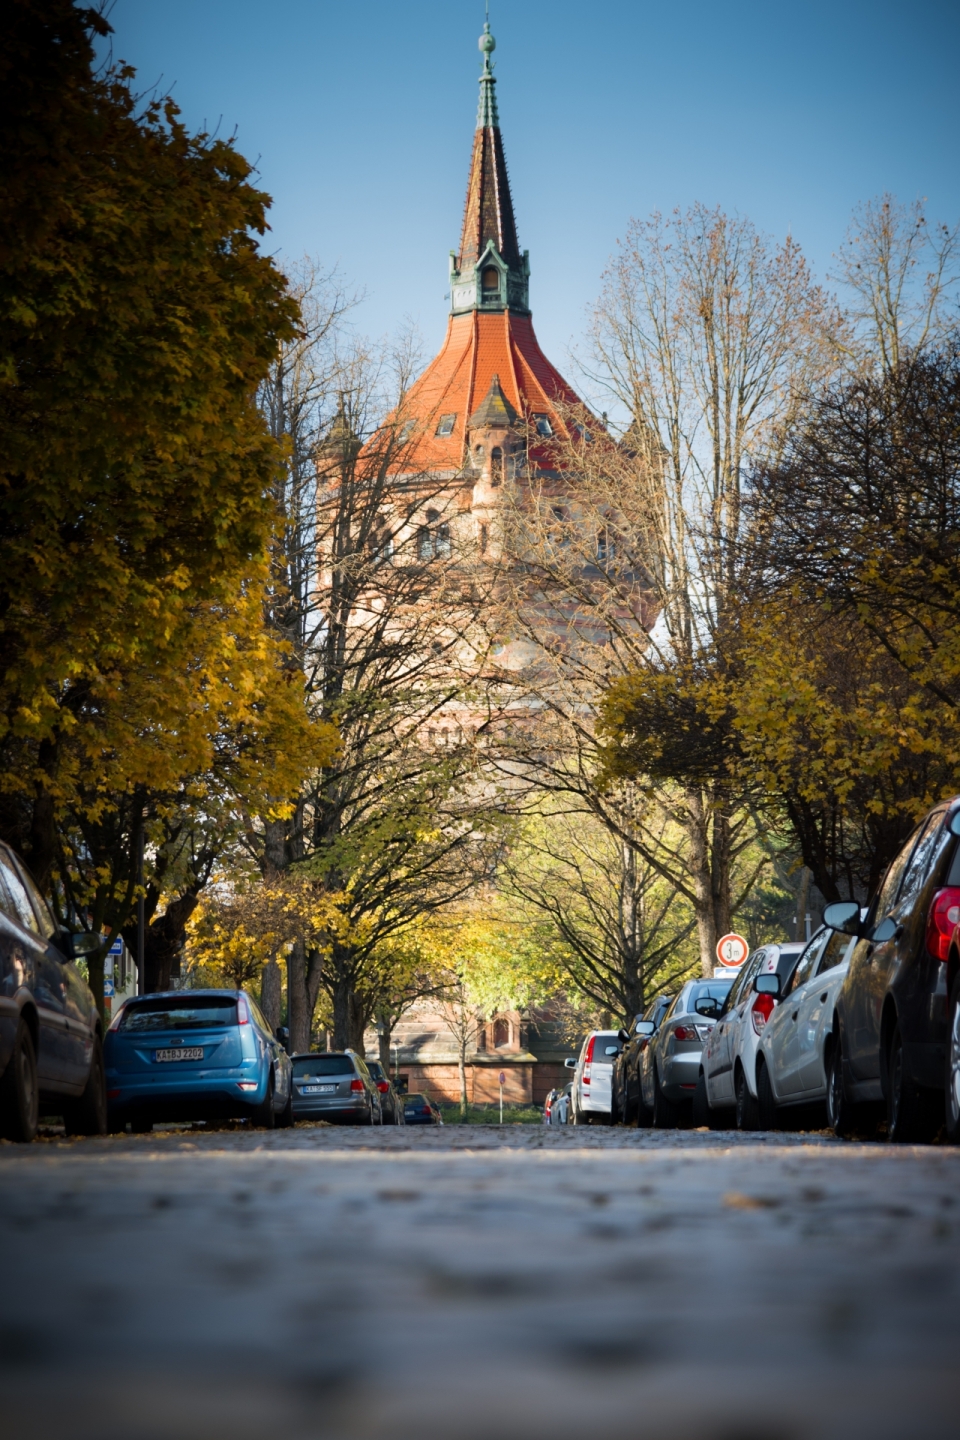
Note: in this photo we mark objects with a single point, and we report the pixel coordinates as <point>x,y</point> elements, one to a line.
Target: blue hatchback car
<point>195,1055</point>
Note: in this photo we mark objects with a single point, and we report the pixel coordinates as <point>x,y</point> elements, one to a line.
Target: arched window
<point>433,515</point>
<point>490,279</point>
<point>496,466</point>
<point>424,543</point>
<point>441,542</point>
<point>501,1033</point>
<point>483,539</point>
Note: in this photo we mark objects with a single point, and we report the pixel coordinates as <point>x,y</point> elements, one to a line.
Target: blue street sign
<point>108,988</point>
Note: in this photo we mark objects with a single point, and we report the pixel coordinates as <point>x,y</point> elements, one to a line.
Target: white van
<point>592,1093</point>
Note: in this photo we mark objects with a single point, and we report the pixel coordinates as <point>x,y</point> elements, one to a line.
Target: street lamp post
<point>141,916</point>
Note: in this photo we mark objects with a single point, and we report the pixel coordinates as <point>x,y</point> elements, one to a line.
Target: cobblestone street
<point>470,1281</point>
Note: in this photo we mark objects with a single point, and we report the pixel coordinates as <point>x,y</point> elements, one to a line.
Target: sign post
<point>503,1081</point>
<point>732,950</point>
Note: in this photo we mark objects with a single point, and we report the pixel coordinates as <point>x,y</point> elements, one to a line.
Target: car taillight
<point>115,1022</point>
<point>762,1010</point>
<point>686,1032</point>
<point>383,1086</point>
<point>243,1010</point>
<point>942,921</point>
<point>356,1084</point>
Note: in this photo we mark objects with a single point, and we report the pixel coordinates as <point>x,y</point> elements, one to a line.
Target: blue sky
<point>360,119</point>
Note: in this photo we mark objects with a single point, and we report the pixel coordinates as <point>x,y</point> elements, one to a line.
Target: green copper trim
<point>487,111</point>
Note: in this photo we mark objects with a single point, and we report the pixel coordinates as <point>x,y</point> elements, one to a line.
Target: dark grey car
<point>390,1102</point>
<point>336,1087</point>
<point>51,1056</point>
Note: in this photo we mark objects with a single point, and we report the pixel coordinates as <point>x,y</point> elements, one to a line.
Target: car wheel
<point>840,1112</point>
<point>87,1115</point>
<point>908,1116</point>
<point>285,1120</point>
<point>952,1085</point>
<point>19,1089</point>
<point>701,1105</point>
<point>644,1114</point>
<point>264,1116</point>
<point>766,1104</point>
<point>666,1115</point>
<point>748,1112</point>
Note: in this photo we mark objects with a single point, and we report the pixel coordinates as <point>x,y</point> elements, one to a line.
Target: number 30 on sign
<point>732,950</point>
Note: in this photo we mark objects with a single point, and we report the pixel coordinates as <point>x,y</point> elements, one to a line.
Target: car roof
<point>179,995</point>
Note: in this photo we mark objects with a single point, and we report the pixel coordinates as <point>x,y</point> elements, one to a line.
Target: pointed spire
<point>489,272</point>
<point>487,112</point>
<point>494,410</point>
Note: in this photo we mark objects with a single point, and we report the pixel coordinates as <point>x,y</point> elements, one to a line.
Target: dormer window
<point>407,431</point>
<point>447,422</point>
<point>543,425</point>
<point>490,282</point>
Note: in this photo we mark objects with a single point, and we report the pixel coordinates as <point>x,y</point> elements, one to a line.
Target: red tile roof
<point>477,347</point>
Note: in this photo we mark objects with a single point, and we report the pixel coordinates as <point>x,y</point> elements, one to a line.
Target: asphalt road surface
<point>472,1282</point>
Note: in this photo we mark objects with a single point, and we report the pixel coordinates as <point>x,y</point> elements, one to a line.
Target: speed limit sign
<point>732,950</point>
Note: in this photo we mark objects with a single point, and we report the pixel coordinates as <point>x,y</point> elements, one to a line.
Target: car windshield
<point>315,1067</point>
<point>415,1100</point>
<point>201,1012</point>
<point>717,989</point>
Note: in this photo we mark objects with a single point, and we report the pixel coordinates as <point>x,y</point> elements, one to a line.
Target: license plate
<point>192,1052</point>
<point>317,1089</point>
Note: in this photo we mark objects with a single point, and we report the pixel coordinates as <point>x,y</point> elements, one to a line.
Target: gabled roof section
<point>494,411</point>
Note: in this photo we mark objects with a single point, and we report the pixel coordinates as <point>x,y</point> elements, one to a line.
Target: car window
<point>602,1039</point>
<point>717,988</point>
<point>744,978</point>
<point>315,1067</point>
<point>258,1014</point>
<point>808,960</point>
<point>46,921</point>
<point>376,1070</point>
<point>19,907</point>
<point>180,1013</point>
<point>927,848</point>
<point>886,899</point>
<point>835,951</point>
<point>786,963</point>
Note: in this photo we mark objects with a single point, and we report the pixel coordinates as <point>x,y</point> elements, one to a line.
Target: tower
<point>491,388</point>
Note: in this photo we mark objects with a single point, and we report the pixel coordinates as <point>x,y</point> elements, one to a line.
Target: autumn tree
<point>708,339</point>
<point>377,605</point>
<point>138,317</point>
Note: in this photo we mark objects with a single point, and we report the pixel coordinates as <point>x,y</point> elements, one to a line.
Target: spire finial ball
<point>486,43</point>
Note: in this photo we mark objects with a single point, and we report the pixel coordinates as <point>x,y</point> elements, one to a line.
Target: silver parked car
<point>791,1064</point>
<point>336,1087</point>
<point>670,1063</point>
<point>728,1081</point>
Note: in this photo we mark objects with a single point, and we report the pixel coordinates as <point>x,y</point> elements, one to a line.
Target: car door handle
<point>823,997</point>
<point>795,1014</point>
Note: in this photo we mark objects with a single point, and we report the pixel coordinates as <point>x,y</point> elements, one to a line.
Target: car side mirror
<point>954,826</point>
<point>283,1035</point>
<point>611,1050</point>
<point>570,1063</point>
<point>644,1028</point>
<point>843,916</point>
<point>708,1006</point>
<point>767,984</point>
<point>623,1036</point>
<point>884,931</point>
<point>87,943</point>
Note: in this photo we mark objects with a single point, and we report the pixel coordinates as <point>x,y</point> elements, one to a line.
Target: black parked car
<point>896,1025</point>
<point>336,1087</point>
<point>626,1067</point>
<point>391,1103</point>
<point>51,1056</point>
<point>421,1110</point>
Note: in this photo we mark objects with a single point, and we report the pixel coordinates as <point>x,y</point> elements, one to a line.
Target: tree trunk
<point>384,1036</point>
<point>298,1010</point>
<point>700,874</point>
<point>164,941</point>
<point>462,1058</point>
<point>271,994</point>
<point>630,935</point>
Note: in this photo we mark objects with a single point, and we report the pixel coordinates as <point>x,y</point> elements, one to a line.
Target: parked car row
<point>862,1019</point>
